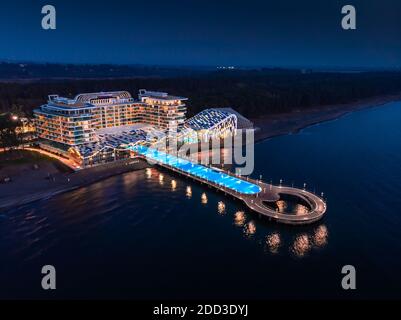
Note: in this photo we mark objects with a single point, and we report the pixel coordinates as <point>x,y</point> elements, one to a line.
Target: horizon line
<point>205,66</point>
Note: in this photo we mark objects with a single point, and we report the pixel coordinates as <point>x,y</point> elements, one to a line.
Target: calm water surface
<point>151,234</point>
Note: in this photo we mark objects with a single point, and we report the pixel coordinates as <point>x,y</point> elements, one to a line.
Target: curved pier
<point>253,193</point>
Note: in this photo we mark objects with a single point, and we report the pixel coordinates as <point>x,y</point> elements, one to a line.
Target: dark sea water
<point>137,236</point>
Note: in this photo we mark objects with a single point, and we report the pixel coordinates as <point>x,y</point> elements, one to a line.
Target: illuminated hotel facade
<point>95,128</point>
<point>68,126</point>
<point>75,121</point>
<point>162,110</point>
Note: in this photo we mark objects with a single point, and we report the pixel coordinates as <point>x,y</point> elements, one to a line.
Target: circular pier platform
<point>316,206</point>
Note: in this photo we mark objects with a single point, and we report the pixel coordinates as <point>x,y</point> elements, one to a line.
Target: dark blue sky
<point>194,32</point>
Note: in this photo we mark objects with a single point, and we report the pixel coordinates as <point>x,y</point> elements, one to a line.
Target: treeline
<point>26,70</point>
<point>253,93</point>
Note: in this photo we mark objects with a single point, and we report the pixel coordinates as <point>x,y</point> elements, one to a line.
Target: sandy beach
<point>30,184</point>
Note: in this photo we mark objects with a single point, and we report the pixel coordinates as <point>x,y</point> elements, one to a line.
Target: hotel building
<point>64,123</point>
<point>95,128</point>
<point>75,121</point>
<point>162,110</point>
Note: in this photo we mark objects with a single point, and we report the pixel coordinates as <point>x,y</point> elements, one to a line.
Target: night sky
<point>194,32</point>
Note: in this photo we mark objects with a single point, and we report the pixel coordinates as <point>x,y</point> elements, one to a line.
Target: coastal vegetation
<point>253,92</point>
<point>9,136</point>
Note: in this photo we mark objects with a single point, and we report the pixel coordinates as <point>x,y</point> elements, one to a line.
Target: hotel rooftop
<point>159,95</point>
<point>88,99</point>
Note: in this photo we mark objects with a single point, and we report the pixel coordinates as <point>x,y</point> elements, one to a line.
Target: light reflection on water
<point>189,192</point>
<point>281,206</point>
<point>273,242</point>
<point>292,208</point>
<point>204,198</point>
<point>161,179</point>
<point>148,173</point>
<point>173,185</point>
<point>301,245</point>
<point>221,208</point>
<point>239,218</point>
<point>250,229</point>
<point>298,245</point>
<point>321,236</point>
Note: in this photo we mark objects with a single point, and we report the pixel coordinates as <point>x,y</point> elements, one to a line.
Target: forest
<point>253,93</point>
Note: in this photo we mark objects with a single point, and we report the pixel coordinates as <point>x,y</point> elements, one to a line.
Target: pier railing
<point>269,192</point>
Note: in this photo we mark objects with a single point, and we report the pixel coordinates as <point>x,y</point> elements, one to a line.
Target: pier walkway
<point>254,193</point>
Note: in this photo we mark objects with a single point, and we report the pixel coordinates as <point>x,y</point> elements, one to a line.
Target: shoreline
<point>68,182</point>
<point>291,123</point>
<point>269,127</point>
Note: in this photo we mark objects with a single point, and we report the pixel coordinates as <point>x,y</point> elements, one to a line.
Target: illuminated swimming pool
<point>220,178</point>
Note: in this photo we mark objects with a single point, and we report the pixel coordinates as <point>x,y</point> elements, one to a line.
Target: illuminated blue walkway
<point>200,171</point>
